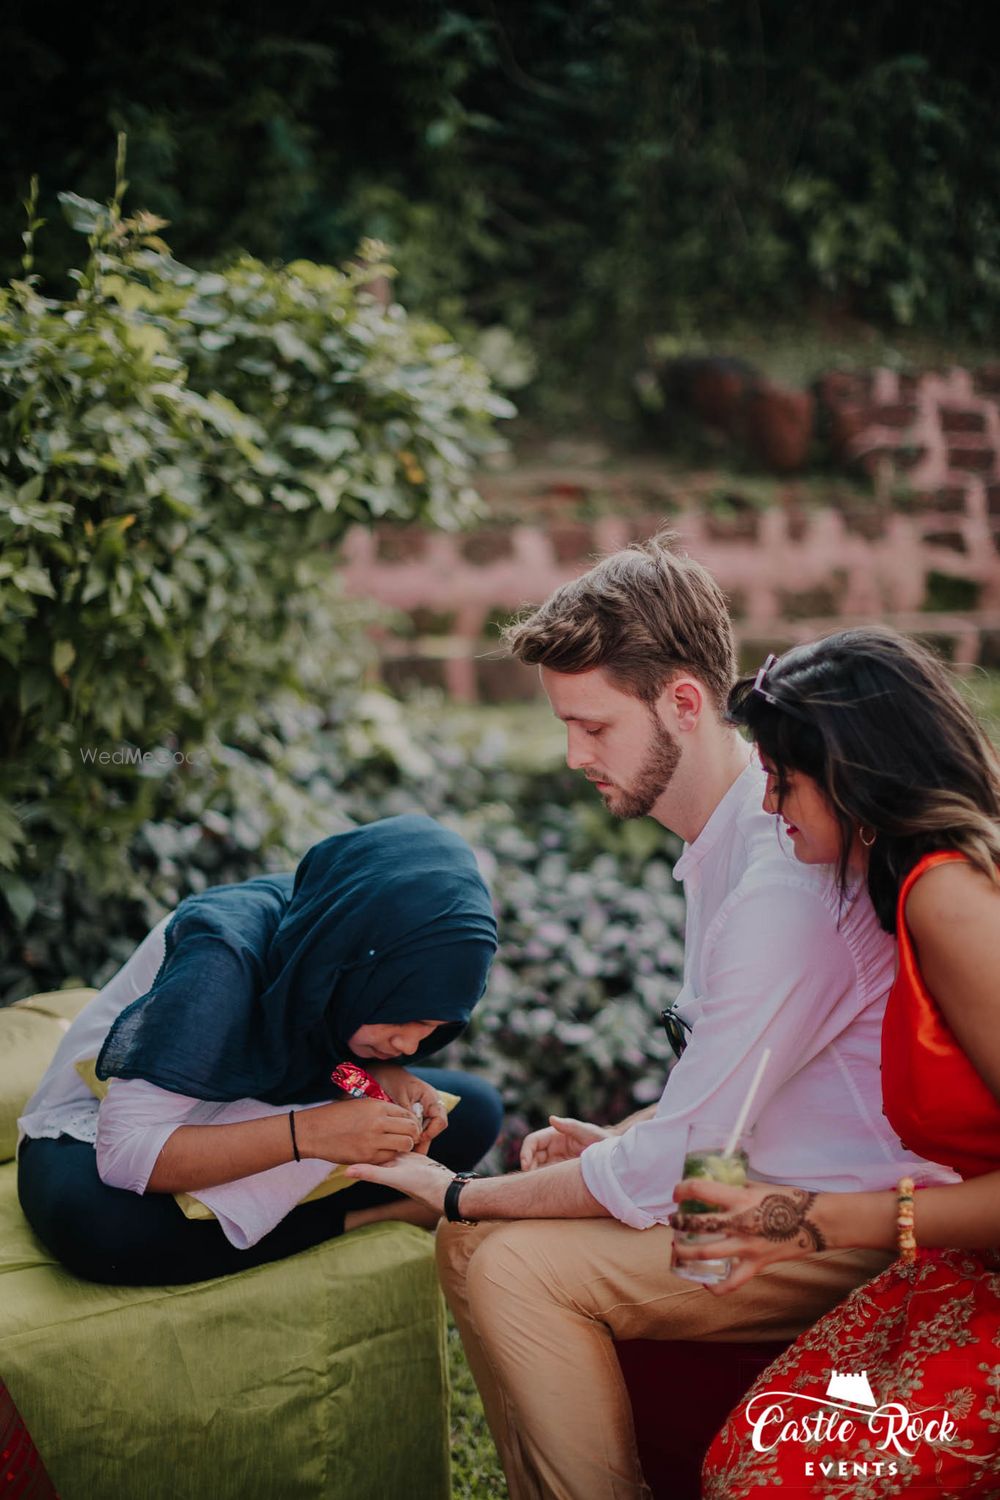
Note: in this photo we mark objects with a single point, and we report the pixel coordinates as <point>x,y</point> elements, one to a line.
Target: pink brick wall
<point>941,431</point>
<point>919,545</point>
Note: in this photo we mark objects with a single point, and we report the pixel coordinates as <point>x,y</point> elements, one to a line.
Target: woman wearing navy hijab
<point>219,1037</point>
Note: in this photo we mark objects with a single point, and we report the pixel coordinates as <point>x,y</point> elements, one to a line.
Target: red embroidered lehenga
<point>927,1335</point>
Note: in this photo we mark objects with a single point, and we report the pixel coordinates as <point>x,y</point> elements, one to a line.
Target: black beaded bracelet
<point>454,1188</point>
<point>291,1126</point>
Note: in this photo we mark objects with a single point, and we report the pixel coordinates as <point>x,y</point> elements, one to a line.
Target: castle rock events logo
<point>847,1412</point>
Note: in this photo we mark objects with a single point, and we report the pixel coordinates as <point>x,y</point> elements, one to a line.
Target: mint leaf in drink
<point>719,1168</point>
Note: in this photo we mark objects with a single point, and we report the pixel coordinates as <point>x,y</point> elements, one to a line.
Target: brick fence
<point>905,529</point>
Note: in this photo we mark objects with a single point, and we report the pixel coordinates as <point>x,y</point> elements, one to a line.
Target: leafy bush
<point>180,453</point>
<point>233,807</point>
<point>578,171</point>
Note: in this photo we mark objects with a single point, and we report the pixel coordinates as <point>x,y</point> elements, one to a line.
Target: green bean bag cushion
<point>317,1377</point>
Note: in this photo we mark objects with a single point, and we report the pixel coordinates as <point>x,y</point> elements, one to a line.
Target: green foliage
<point>578,172</point>
<point>180,454</point>
<point>948,591</point>
<point>888,209</point>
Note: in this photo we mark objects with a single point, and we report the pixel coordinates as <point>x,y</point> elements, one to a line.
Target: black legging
<point>129,1239</point>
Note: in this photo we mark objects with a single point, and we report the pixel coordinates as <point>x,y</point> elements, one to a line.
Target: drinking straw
<point>741,1118</point>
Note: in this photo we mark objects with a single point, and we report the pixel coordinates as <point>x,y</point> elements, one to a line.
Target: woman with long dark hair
<point>877,767</point>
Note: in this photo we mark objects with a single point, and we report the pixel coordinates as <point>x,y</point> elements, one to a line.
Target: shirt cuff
<point>597,1164</point>
<point>126,1158</point>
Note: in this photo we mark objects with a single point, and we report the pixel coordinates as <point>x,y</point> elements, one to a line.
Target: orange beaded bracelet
<point>905,1237</point>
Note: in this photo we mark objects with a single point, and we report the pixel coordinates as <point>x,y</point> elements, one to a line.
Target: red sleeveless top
<point>934,1098</point>
<point>924,1334</point>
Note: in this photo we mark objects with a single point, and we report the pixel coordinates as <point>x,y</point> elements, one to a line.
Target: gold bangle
<point>905,1236</point>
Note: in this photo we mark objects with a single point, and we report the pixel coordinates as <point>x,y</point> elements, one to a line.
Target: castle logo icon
<point>854,1389</point>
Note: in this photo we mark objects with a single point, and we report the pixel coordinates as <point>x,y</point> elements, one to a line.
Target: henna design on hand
<point>779,1217</point>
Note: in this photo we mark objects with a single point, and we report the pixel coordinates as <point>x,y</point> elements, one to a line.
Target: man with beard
<point>637,659</point>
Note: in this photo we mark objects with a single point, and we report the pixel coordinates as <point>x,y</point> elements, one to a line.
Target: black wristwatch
<point>455,1187</point>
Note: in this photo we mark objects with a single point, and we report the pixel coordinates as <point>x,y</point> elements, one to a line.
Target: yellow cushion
<point>30,1032</point>
<point>87,1069</point>
<point>193,1208</point>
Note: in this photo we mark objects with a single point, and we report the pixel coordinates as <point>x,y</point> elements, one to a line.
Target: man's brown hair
<point>643,615</point>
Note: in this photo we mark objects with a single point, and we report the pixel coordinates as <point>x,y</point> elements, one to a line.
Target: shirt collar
<point>723,817</point>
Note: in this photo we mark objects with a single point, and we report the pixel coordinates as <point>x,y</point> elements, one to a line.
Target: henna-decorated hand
<point>761,1223</point>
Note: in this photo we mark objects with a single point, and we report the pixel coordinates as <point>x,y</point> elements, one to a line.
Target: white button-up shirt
<point>773,958</point>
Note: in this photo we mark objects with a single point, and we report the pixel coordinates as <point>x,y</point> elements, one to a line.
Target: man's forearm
<point>641,1114</point>
<point>557,1192</point>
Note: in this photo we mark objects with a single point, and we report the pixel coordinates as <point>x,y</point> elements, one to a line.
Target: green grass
<point>983,691</point>
<point>475,1469</point>
<point>796,353</point>
<point>530,738</point>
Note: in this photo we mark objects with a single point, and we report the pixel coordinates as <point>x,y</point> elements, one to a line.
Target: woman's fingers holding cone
<point>435,1122</point>
<point>356,1130</point>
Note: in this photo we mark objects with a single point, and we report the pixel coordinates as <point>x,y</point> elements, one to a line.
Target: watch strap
<point>455,1186</point>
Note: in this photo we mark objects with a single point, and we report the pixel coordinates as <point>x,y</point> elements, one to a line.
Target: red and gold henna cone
<point>357,1083</point>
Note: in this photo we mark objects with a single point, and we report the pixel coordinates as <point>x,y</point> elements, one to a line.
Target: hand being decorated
<point>419,1177</point>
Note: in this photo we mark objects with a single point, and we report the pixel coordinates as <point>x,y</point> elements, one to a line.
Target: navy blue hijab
<point>263,983</point>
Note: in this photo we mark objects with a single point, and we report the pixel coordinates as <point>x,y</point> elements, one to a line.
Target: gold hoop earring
<point>872,835</point>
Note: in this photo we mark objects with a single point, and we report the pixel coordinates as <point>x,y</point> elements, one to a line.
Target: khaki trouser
<point>539,1302</point>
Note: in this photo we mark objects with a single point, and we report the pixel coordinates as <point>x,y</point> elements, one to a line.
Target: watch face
<point>451,1208</point>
